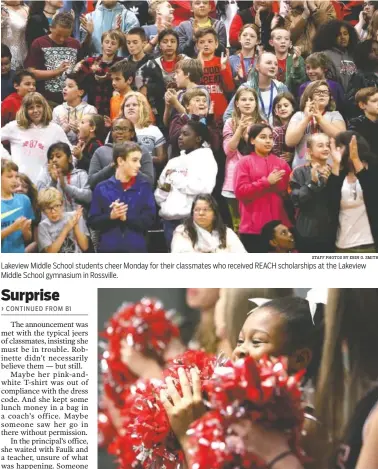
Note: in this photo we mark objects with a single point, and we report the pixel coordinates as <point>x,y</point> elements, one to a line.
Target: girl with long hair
<point>337,39</point>
<point>136,108</point>
<point>91,137</point>
<point>168,42</point>
<point>40,17</point>
<point>235,143</point>
<point>204,230</point>
<point>353,190</point>
<point>317,114</point>
<point>31,134</point>
<point>284,107</point>
<point>364,19</point>
<point>261,182</point>
<point>243,62</point>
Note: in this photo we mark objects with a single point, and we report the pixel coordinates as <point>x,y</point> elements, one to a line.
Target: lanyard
<point>270,103</point>
<point>246,72</point>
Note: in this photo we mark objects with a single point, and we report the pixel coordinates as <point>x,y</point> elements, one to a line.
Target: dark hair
<point>98,122</point>
<point>134,139</point>
<point>203,31</point>
<point>36,7</point>
<point>20,74</point>
<point>218,224</point>
<point>326,36</point>
<point>364,152</point>
<point>301,329</point>
<point>64,19</point>
<point>254,131</point>
<point>138,32</point>
<point>199,129</point>
<point>121,150</point>
<point>61,146</point>
<point>267,233</point>
<point>5,51</point>
<point>361,56</point>
<point>287,95</point>
<point>126,67</point>
<point>168,32</point>
<point>80,81</point>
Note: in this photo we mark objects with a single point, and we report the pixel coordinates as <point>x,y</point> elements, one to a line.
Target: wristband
<point>278,458</point>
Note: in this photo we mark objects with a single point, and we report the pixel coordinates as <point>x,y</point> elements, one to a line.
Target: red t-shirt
<point>281,75</point>
<point>217,82</point>
<point>127,185</point>
<point>45,54</point>
<point>9,108</point>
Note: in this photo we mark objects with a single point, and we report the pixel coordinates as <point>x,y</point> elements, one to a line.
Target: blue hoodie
<point>117,235</point>
<point>104,19</point>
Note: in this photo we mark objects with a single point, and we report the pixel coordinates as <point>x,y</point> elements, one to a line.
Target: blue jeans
<point>169,228</point>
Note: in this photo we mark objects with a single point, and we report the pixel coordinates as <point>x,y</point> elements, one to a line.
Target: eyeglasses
<point>203,210</point>
<point>321,93</point>
<point>122,129</point>
<point>54,208</point>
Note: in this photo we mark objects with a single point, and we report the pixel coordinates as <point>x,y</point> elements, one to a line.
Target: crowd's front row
<point>329,201</point>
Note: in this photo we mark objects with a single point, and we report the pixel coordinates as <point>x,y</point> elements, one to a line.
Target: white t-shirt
<point>29,146</point>
<point>151,137</point>
<point>354,228</point>
<point>300,149</point>
<point>265,96</point>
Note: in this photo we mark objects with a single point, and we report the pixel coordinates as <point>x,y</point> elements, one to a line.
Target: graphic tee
<point>18,206</point>
<point>45,54</point>
<point>48,231</point>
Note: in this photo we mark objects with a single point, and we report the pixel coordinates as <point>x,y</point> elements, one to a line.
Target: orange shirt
<point>115,105</point>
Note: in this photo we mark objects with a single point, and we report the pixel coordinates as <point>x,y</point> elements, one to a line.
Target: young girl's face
<point>342,39</point>
<point>23,187</point>
<point>35,113</point>
<point>188,139</point>
<point>180,78</point>
<point>246,103</point>
<point>321,96</point>
<point>168,45</point>
<point>284,109</point>
<point>131,109</point>
<point>248,38</point>
<point>61,161</point>
<point>320,148</point>
<point>263,142</point>
<point>85,128</point>
<point>263,333</point>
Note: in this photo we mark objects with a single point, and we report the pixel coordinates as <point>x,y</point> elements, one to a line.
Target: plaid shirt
<point>99,92</point>
<point>279,145</point>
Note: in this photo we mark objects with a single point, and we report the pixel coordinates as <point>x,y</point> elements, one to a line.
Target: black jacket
<point>314,216</point>
<point>367,128</point>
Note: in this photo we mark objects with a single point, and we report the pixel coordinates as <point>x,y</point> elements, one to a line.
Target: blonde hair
<point>154,6</point>
<point>144,115</point>
<point>46,197</point>
<point>22,118</point>
<point>236,114</point>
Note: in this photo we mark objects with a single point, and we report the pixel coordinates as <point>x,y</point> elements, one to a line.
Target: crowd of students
<point>194,128</point>
<point>331,336</point>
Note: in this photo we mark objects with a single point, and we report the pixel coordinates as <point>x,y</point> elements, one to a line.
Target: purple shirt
<point>336,91</point>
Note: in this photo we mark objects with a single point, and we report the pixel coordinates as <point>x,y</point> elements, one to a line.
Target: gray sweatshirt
<point>75,192</point>
<point>101,167</point>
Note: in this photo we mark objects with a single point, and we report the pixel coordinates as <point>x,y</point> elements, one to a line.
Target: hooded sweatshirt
<point>192,174</point>
<point>342,66</point>
<point>104,19</point>
<point>64,114</point>
<point>75,192</point>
